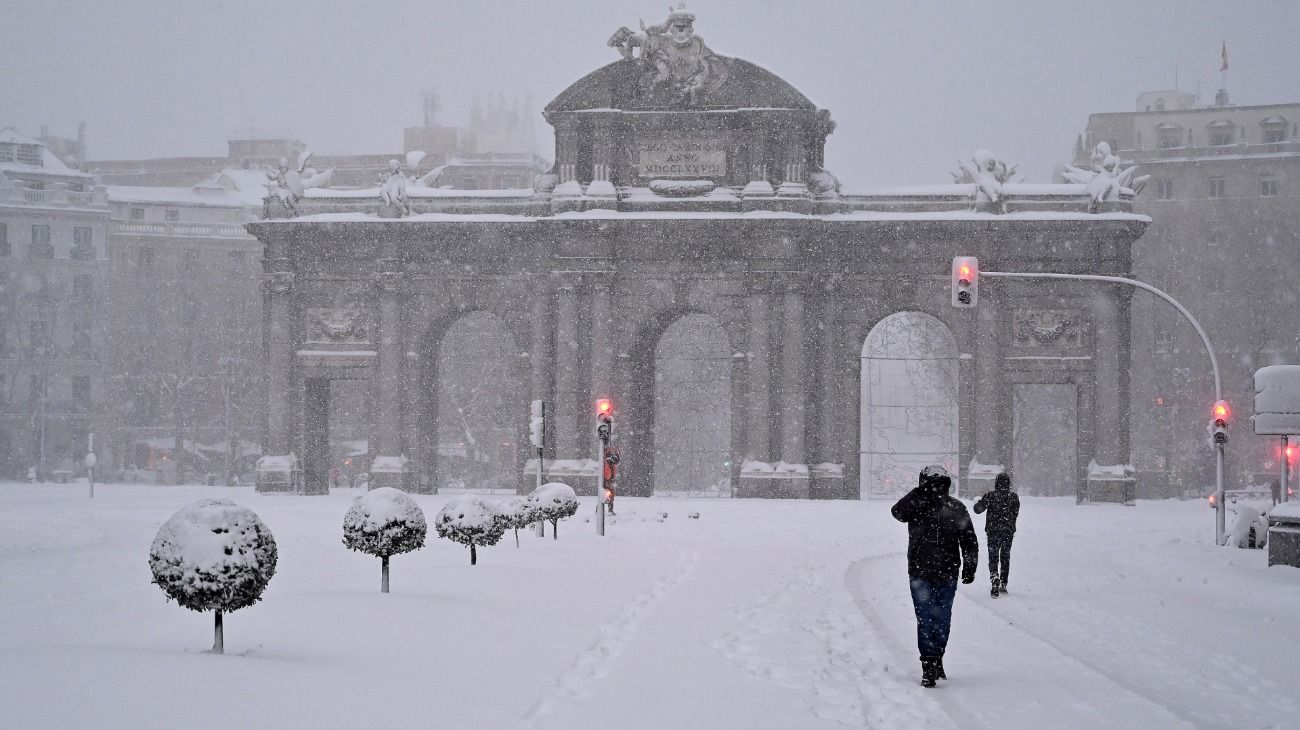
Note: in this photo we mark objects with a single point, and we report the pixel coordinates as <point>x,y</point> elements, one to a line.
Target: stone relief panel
<point>338,326</point>
<point>1049,328</point>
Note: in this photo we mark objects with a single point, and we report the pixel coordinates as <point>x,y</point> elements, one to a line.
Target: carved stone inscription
<point>681,157</point>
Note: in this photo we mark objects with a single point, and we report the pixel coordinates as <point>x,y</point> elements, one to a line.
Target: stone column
<point>566,150</point>
<point>760,406</point>
<point>602,344</point>
<point>828,476</point>
<point>570,442</point>
<point>539,360</point>
<point>281,338</point>
<point>989,450</point>
<point>794,390</point>
<point>1106,363</point>
<point>389,468</point>
<point>755,473</point>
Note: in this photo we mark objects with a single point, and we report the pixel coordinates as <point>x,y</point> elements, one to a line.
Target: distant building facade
<point>53,261</point>
<point>1224,197</point>
<point>184,307</point>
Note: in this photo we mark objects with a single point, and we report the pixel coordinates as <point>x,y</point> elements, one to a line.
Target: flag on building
<point>1224,66</point>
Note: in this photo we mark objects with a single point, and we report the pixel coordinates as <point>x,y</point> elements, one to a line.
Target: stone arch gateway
<point>704,194</point>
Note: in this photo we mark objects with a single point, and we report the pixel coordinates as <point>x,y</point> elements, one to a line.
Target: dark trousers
<point>1000,554</point>
<point>932,601</point>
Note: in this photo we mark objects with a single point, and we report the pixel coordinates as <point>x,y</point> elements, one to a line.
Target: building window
<point>1164,188</point>
<point>82,247</point>
<point>171,215</point>
<point>1168,137</point>
<point>81,338</point>
<point>4,239</point>
<point>39,343</point>
<point>137,214</point>
<point>1218,187</point>
<point>1220,137</point>
<point>41,247</point>
<point>1274,135</point>
<point>30,154</point>
<point>83,289</point>
<point>1268,186</point>
<point>81,391</point>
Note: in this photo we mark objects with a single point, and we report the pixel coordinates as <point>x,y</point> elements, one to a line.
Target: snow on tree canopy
<point>384,522</point>
<point>470,521</point>
<point>519,512</point>
<point>213,555</point>
<point>554,501</point>
<point>555,498</point>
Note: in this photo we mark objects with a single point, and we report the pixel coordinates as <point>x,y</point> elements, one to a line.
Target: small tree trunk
<point>516,536</point>
<point>555,529</point>
<point>383,588</point>
<point>541,528</point>
<point>218,636</point>
<point>473,555</point>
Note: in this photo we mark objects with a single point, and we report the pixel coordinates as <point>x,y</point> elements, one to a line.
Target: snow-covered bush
<point>384,522</point>
<point>554,501</point>
<point>518,512</point>
<point>1250,530</point>
<point>470,521</point>
<point>213,556</point>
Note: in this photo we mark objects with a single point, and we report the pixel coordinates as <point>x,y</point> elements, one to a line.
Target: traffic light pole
<point>602,434</point>
<point>1220,509</point>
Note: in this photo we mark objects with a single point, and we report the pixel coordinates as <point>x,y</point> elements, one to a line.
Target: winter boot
<point>929,671</point>
<point>938,668</point>
<point>997,587</point>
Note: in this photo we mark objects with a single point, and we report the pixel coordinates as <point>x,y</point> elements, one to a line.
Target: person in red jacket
<point>940,542</point>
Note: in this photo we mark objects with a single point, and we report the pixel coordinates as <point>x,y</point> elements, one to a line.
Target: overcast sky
<point>912,85</point>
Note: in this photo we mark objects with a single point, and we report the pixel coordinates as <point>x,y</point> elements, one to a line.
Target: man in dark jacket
<point>940,542</point>
<point>999,528</point>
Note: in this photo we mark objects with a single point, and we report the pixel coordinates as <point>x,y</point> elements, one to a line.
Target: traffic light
<point>1221,414</point>
<point>605,416</point>
<point>537,424</point>
<point>965,281</point>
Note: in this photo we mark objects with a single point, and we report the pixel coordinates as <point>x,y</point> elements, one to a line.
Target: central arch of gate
<point>762,332</point>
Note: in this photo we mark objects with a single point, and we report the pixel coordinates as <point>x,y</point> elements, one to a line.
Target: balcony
<point>178,230</point>
<point>58,195</point>
<point>1289,147</point>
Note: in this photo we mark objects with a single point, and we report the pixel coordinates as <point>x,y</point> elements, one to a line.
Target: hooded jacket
<point>1003,506</point>
<point>941,540</point>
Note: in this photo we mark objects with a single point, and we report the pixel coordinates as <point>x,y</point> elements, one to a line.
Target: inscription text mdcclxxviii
<point>682,158</point>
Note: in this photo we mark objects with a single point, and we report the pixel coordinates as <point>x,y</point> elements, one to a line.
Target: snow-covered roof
<point>201,195</point>
<point>9,135</point>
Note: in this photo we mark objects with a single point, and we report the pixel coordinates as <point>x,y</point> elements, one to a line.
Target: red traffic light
<point>1221,413</point>
<point>604,408</point>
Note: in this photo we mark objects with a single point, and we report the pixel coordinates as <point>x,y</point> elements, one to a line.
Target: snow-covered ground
<point>760,614</point>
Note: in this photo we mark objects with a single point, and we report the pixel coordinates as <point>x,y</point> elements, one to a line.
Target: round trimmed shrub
<point>554,501</point>
<point>384,522</point>
<point>213,555</point>
<point>471,522</point>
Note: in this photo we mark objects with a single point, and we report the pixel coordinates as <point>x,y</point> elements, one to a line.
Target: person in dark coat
<point>1003,506</point>
<point>940,542</point>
